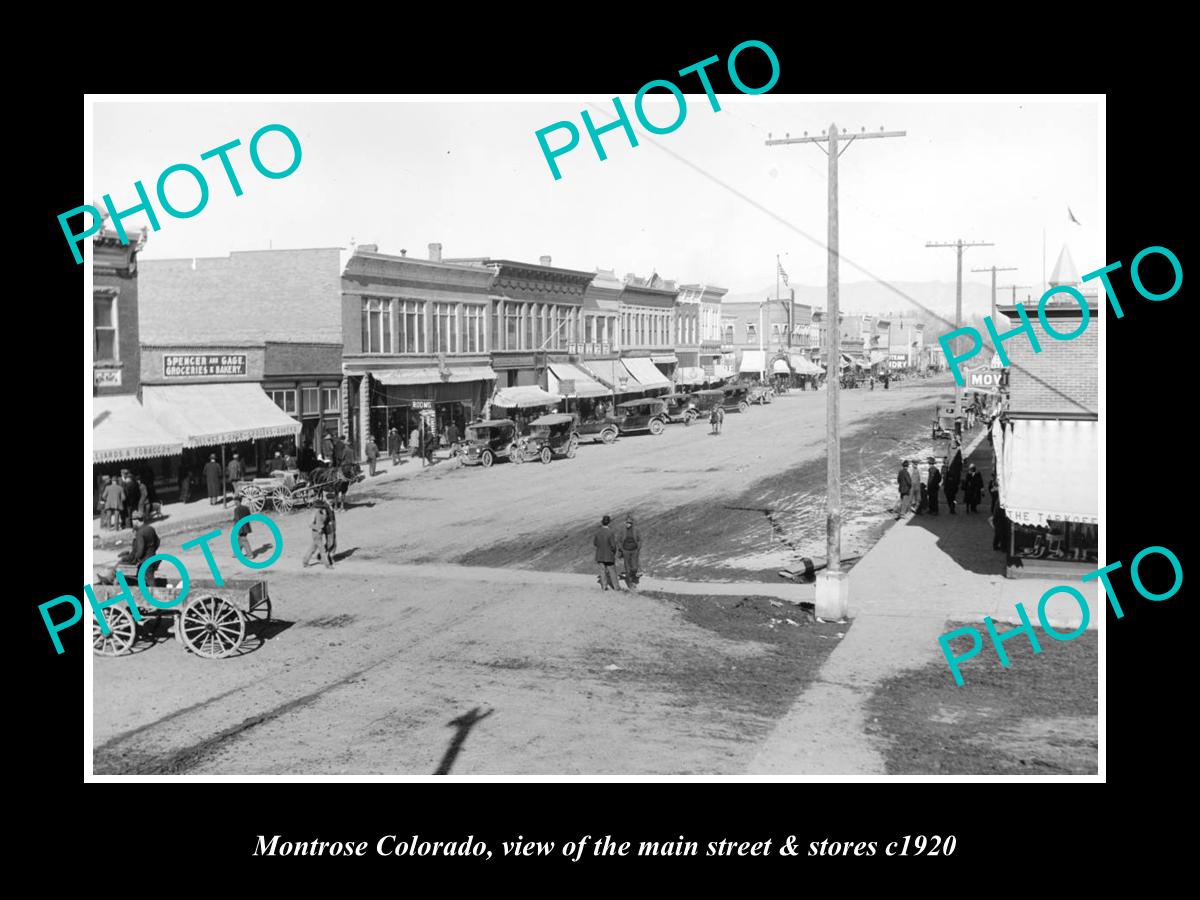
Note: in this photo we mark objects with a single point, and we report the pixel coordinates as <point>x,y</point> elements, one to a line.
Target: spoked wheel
<point>688,418</point>
<point>254,499</point>
<point>212,627</point>
<point>516,453</point>
<point>656,426</point>
<point>743,406</point>
<point>121,635</point>
<point>487,458</point>
<point>608,435</point>
<point>281,500</point>
<point>545,456</point>
<point>572,447</point>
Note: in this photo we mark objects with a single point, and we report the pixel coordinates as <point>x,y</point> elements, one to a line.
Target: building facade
<point>714,357</point>
<point>648,332</point>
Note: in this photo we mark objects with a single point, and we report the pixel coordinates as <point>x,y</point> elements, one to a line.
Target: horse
<point>336,480</point>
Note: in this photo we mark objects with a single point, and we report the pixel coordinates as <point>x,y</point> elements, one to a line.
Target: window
<point>310,401</point>
<point>377,325</point>
<point>443,328</point>
<point>104,311</point>
<point>528,311</point>
<point>512,326</point>
<point>410,327</point>
<point>751,332</point>
<point>471,338</point>
<point>285,400</point>
<point>332,398</point>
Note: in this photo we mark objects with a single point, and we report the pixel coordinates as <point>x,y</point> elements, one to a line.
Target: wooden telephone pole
<point>994,270</point>
<point>833,590</point>
<point>959,245</point>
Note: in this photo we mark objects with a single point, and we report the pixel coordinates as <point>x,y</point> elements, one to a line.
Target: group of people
<point>626,544</point>
<point>716,418</point>
<point>123,500</point>
<point>324,535</point>
<point>920,484</point>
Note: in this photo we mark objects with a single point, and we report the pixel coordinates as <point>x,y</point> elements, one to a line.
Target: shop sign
<point>422,404</point>
<point>566,386</point>
<point>984,379</point>
<point>106,377</point>
<point>203,364</point>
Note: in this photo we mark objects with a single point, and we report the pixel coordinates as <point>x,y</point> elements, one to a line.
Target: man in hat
<point>145,545</point>
<point>920,474</point>
<point>327,448</point>
<point>631,546</point>
<point>372,453</point>
<point>276,462</point>
<point>133,497</point>
<point>973,489</point>
<point>235,471</point>
<point>212,478</point>
<point>114,503</point>
<point>318,528</point>
<point>904,482</point>
<point>393,445</point>
<point>243,536</point>
<point>606,554</point>
<point>935,482</point>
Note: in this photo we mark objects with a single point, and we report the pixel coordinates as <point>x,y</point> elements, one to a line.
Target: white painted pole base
<point>833,595</point>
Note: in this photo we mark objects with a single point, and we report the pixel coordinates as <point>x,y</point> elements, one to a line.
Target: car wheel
<point>688,418</point>
<point>743,406</point>
<point>656,426</point>
<point>608,435</point>
<point>515,454</point>
<point>546,456</point>
<point>572,447</point>
<point>487,458</point>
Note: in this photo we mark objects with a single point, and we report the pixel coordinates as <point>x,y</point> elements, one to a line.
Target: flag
<point>782,274</point>
<point>1071,216</point>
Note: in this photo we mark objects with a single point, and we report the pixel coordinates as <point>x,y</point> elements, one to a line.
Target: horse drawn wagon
<point>287,489</point>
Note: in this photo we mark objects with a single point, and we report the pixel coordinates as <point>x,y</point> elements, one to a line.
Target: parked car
<point>648,414</point>
<point>549,436</point>
<point>603,429</point>
<point>704,401</point>
<point>680,408</point>
<point>487,441</point>
<point>737,397</point>
<point>761,394</point>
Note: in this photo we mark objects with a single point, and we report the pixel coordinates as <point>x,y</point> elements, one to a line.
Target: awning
<point>664,360</point>
<point>433,375</point>
<point>690,375</point>
<point>123,429</point>
<point>802,366</point>
<point>611,374</point>
<point>780,367</point>
<point>643,371</point>
<point>585,385</point>
<point>752,361</point>
<point>205,414</point>
<point>1050,470</point>
<point>878,356</point>
<point>524,396</point>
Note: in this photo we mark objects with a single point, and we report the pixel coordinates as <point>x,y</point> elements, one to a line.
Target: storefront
<point>305,381</point>
<point>1049,476</point>
<point>403,398</point>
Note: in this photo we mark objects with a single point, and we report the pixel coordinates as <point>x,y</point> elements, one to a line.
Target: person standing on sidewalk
<point>919,474</point>
<point>393,446</point>
<point>320,520</point>
<point>235,472</point>
<point>973,489</point>
<point>935,481</point>
<point>372,453</point>
<point>212,478</point>
<point>904,482</point>
<point>240,512</point>
<point>606,554</point>
<point>114,503</point>
<point>631,547</point>
<point>951,480</point>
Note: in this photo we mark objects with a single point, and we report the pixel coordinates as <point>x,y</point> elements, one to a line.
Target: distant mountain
<point>873,298</point>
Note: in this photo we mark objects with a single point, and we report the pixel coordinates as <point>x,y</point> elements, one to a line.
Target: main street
<point>463,630</point>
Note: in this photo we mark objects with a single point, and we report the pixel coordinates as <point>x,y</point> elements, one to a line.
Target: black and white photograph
<point>517,436</point>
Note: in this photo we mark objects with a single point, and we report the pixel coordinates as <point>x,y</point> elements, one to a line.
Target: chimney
<point>435,252</point>
<point>544,260</point>
<point>404,253</point>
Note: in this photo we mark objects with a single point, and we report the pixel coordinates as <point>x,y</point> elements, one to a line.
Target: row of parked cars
<point>558,435</point>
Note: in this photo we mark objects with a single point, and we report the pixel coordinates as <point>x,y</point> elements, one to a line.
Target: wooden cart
<point>211,622</point>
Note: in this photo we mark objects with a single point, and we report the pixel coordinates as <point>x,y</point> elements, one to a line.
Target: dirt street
<point>463,631</point>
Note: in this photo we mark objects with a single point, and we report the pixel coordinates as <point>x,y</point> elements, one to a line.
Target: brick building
<point>648,332</point>
<point>714,356</point>
<point>786,331</point>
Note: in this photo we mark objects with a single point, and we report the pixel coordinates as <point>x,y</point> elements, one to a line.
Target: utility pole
<point>1015,288</point>
<point>762,352</point>
<point>959,245</point>
<point>833,590</point>
<point>994,270</point>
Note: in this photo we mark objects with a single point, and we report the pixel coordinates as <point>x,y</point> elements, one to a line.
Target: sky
<point>707,203</point>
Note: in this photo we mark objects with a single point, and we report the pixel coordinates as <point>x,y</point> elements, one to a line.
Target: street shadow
<point>259,632</point>
<point>463,725</point>
<point>345,554</point>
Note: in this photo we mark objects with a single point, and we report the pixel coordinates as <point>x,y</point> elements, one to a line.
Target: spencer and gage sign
<point>191,365</point>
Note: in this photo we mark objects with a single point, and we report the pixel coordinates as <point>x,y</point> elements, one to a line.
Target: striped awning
<point>201,415</point>
<point>645,373</point>
<point>584,384</point>
<point>1049,469</point>
<point>123,429</point>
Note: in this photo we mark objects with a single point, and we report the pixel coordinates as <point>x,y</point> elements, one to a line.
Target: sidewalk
<point>199,513</point>
<point>924,573</point>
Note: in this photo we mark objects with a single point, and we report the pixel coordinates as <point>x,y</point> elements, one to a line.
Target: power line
<point>960,245</point>
<point>994,270</point>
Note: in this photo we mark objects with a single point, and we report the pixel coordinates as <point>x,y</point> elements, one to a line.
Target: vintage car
<point>704,401</point>
<point>737,398</point>
<point>680,408</point>
<point>487,441</point>
<point>648,414</point>
<point>603,429</point>
<point>549,436</point>
<point>761,394</point>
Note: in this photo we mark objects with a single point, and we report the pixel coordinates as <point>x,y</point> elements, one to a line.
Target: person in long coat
<point>235,470</point>
<point>308,458</point>
<point>606,554</point>
<point>630,545</point>
<point>935,482</point>
<point>393,445</point>
<point>133,497</point>
<point>973,489</point>
<point>327,448</point>
<point>951,479</point>
<point>213,478</point>
<point>114,503</point>
<point>372,453</point>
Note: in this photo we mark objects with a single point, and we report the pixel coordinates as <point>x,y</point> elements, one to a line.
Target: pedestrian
<point>973,489</point>
<point>185,484</point>
<point>904,482</point>
<point>318,525</point>
<point>919,474</point>
<point>308,458</point>
<point>935,481</point>
<point>631,548</point>
<point>393,445</point>
<point>243,536</point>
<point>431,442</point>
<point>712,420</point>
<point>144,545</point>
<point>331,533</point>
<point>451,434</point>
<point>327,449</point>
<point>276,463</point>
<point>606,554</point>
<point>132,498</point>
<point>212,478</point>
<point>114,504</point>
<point>235,471</point>
<point>951,480</point>
<point>372,453</point>
<point>143,506</point>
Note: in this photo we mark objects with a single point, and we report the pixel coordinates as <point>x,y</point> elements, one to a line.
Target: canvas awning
<point>802,366</point>
<point>780,367</point>
<point>664,360</point>
<point>201,415</point>
<point>690,375</point>
<point>434,375</point>
<point>753,361</point>
<point>585,385</point>
<point>645,373</point>
<point>611,374</point>
<point>1050,470</point>
<point>123,429</point>
<point>878,356</point>
<point>524,396</point>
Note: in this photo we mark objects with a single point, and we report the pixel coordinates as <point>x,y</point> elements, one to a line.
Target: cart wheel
<point>743,406</point>
<point>281,500</point>
<point>516,453</point>
<point>212,627</point>
<point>254,499</point>
<point>486,458</point>
<point>656,426</point>
<point>572,447</point>
<point>608,435</point>
<point>122,632</point>
<point>688,418</point>
<point>545,456</point>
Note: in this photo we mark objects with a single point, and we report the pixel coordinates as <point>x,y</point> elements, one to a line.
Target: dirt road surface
<point>462,630</point>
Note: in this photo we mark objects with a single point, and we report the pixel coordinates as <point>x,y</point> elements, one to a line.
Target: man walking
<point>114,503</point>
<point>235,472</point>
<point>904,482</point>
<point>631,546</point>
<point>935,482</point>
<point>212,478</point>
<point>393,445</point>
<point>606,554</point>
<point>973,489</point>
<point>319,521</point>
<point>243,536</point>
<point>414,442</point>
<point>372,453</point>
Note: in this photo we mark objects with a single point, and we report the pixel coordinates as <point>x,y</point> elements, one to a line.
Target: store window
<point>377,325</point>
<point>1059,541</point>
<point>310,401</point>
<point>331,399</point>
<point>285,400</point>
<point>104,312</point>
<point>410,327</point>
<point>443,328</point>
<point>471,340</point>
